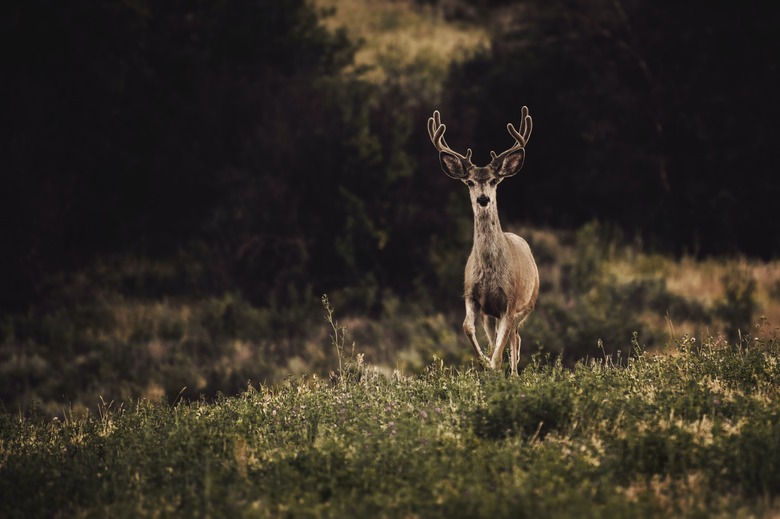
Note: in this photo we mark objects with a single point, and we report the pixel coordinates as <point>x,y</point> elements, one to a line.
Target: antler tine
<point>436,132</point>
<point>433,124</point>
<point>521,136</point>
<point>526,125</point>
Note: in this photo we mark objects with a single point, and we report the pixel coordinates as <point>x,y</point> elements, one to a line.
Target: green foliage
<point>533,406</point>
<point>685,435</point>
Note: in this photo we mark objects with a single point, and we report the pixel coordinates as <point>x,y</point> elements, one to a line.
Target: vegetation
<point>690,434</point>
<point>111,339</point>
<point>182,182</point>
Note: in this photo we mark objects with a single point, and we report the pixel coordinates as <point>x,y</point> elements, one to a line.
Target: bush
<point>739,303</point>
<point>537,403</point>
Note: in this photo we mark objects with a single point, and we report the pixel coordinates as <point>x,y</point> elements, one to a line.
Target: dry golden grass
<point>703,281</point>
<point>697,281</point>
<point>402,41</point>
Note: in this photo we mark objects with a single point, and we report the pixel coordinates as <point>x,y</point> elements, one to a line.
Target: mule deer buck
<point>501,279</point>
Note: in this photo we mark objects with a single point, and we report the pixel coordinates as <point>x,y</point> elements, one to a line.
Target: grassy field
<point>695,434</point>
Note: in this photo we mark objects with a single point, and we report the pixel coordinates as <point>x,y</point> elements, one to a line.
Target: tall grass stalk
<point>337,337</point>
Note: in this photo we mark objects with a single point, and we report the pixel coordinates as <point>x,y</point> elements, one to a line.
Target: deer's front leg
<point>502,335</point>
<point>488,323</point>
<point>470,328</point>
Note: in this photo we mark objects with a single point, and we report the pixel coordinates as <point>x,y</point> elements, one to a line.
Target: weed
<point>350,368</point>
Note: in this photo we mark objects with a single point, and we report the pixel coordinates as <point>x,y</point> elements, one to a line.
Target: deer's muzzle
<point>483,200</point>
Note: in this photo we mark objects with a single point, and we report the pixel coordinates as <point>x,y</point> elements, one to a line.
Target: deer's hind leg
<point>514,343</point>
<point>514,352</point>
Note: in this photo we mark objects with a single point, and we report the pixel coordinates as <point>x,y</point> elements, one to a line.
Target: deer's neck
<point>488,236</point>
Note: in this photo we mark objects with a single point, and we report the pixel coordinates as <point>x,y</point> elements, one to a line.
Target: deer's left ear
<point>452,165</point>
<point>511,163</point>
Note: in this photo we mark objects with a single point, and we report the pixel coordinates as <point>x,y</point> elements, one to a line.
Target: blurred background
<point>182,181</point>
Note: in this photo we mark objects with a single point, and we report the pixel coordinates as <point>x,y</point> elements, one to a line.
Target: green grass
<point>693,434</point>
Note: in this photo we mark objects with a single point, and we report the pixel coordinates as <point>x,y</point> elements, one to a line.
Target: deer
<point>501,280</point>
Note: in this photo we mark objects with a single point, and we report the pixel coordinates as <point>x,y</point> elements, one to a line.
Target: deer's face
<point>482,184</point>
<point>482,181</point>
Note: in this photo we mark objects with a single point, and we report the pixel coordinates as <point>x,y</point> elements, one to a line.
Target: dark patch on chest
<point>492,300</point>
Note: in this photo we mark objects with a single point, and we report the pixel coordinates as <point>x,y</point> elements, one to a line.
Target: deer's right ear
<point>452,165</point>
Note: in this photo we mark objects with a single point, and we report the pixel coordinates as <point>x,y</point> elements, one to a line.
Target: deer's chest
<point>489,293</point>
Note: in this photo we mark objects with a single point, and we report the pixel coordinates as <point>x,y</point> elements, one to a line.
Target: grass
<point>689,435</point>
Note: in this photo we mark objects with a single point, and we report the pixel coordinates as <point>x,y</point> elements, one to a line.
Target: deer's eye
<point>470,183</point>
<point>493,181</point>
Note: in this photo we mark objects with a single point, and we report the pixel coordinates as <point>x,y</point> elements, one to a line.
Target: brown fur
<point>501,281</point>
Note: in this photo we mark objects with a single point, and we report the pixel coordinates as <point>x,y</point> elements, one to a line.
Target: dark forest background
<point>227,132</point>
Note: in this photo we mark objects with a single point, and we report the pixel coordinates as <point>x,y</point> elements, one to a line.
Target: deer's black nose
<point>483,200</point>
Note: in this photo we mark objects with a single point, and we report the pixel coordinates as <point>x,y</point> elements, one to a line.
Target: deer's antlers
<point>506,164</point>
<point>521,137</point>
<point>436,132</point>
